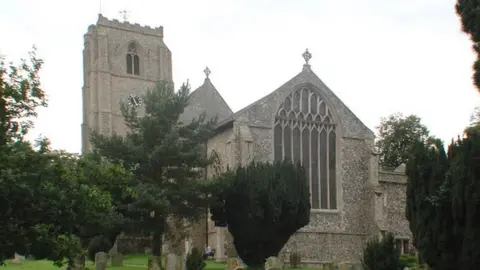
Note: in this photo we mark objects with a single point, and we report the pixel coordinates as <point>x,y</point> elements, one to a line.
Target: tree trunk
<point>157,243</point>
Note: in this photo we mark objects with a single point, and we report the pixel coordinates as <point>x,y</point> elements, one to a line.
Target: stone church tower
<point>121,60</point>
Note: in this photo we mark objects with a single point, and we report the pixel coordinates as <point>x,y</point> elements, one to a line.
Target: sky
<point>379,57</point>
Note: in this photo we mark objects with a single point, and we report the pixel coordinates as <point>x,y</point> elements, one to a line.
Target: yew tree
<point>469,13</point>
<point>443,194</point>
<point>164,154</point>
<point>262,205</point>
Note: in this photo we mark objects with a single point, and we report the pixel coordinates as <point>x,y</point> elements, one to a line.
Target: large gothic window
<point>133,62</point>
<point>304,132</point>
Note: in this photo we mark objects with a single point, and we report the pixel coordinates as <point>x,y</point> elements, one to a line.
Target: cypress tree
<point>443,193</point>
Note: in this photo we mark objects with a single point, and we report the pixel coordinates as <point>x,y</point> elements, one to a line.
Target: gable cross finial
<point>207,72</point>
<point>124,14</point>
<point>307,56</point>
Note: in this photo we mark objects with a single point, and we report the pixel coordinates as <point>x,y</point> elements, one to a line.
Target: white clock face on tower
<point>134,101</point>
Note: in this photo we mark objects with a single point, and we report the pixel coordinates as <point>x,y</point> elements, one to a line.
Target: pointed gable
<point>263,111</point>
<point>206,99</point>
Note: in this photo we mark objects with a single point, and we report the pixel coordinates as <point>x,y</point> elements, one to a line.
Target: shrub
<point>409,260</point>
<point>98,244</point>
<point>381,255</point>
<point>195,260</point>
<point>295,260</point>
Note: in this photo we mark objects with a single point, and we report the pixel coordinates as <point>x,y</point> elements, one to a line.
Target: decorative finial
<point>207,71</point>
<point>307,56</point>
<point>124,15</point>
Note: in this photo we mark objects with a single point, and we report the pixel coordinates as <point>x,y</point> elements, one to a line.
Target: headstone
<point>175,262</point>
<point>342,266</point>
<point>117,259</point>
<point>79,262</point>
<point>273,263</point>
<point>154,263</point>
<point>18,259</point>
<point>101,261</point>
<point>233,263</point>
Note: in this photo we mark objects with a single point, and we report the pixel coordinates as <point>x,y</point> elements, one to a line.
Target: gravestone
<point>342,266</point>
<point>233,263</point>
<point>117,259</point>
<point>175,262</point>
<point>101,261</point>
<point>79,262</point>
<point>18,259</point>
<point>273,263</point>
<point>154,263</point>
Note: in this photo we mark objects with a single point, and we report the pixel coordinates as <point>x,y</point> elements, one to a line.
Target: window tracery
<point>304,132</point>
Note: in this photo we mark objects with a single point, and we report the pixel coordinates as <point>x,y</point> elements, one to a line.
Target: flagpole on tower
<point>100,7</point>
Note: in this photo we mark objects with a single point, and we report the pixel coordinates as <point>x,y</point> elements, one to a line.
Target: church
<point>353,199</point>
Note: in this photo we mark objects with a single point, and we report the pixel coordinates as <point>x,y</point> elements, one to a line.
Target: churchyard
<point>130,262</point>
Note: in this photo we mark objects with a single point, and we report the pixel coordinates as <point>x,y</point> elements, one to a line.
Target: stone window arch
<point>305,132</point>
<point>133,61</point>
<point>216,165</point>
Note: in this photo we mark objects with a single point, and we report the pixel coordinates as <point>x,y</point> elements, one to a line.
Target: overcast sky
<point>378,56</point>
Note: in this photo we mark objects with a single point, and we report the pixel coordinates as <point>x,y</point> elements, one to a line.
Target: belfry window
<point>133,61</point>
<point>304,132</point>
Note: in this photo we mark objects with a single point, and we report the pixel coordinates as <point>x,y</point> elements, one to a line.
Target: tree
<point>164,154</point>
<point>262,205</point>
<point>442,197</point>
<point>20,96</point>
<point>396,136</point>
<point>468,11</point>
<point>48,205</point>
<point>45,211</point>
<point>381,255</point>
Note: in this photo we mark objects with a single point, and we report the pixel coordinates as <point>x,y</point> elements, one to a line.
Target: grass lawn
<point>130,262</point>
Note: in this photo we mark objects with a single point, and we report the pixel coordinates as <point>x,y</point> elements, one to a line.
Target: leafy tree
<point>381,255</point>
<point>442,198</point>
<point>262,205</point>
<point>468,10</point>
<point>47,204</point>
<point>20,96</point>
<point>164,154</point>
<point>396,136</point>
<point>45,209</point>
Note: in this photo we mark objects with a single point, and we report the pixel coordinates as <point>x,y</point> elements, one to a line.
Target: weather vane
<point>207,71</point>
<point>307,56</point>
<point>124,15</point>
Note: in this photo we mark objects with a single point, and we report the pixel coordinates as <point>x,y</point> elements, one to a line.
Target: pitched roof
<point>206,99</point>
<point>355,126</point>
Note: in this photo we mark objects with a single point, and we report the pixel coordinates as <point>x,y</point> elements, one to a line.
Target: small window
<point>133,61</point>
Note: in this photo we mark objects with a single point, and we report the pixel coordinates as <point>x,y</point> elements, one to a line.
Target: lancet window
<point>133,61</point>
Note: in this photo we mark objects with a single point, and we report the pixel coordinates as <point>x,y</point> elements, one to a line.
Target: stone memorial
<point>175,262</point>
<point>101,261</point>
<point>273,263</point>
<point>233,263</point>
<point>117,259</point>
<point>18,259</point>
